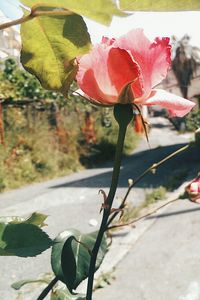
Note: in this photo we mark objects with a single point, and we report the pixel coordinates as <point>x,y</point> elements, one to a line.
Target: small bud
<point>193,190</point>
<point>130,182</point>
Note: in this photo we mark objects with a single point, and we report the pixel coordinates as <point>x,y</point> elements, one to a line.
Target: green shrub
<point>104,149</point>
<point>2,184</point>
<point>44,138</point>
<point>193,120</point>
<point>157,194</point>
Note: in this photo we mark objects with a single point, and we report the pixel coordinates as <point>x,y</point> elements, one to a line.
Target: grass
<point>104,279</point>
<point>104,149</point>
<point>154,196</point>
<point>35,150</point>
<point>34,153</point>
<point>131,212</point>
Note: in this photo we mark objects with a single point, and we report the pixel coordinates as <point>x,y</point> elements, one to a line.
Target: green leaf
<point>99,10</point>
<point>22,240</point>
<point>49,47</point>
<point>11,219</point>
<point>64,294</point>
<point>19,284</point>
<point>44,278</point>
<point>70,257</point>
<point>35,219</point>
<point>159,5</point>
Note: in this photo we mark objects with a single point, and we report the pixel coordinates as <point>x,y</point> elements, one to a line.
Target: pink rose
<point>193,189</point>
<point>131,59</point>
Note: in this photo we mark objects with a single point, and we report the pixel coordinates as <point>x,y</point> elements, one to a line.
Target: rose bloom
<point>105,72</point>
<point>193,190</point>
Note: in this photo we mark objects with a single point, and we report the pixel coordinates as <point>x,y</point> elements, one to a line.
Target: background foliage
<point>43,134</point>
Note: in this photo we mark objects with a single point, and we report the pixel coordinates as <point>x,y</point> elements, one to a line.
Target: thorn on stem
<point>104,204</point>
<point>114,210</point>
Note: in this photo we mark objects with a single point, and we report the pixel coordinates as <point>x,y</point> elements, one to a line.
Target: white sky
<point>154,24</point>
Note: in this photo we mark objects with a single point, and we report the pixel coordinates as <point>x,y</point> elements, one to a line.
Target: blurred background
<point>44,136</point>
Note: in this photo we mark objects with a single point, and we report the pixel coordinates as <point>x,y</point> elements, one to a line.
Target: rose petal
<point>153,58</point>
<point>122,70</point>
<point>107,41</point>
<point>194,187</point>
<point>176,105</point>
<point>93,77</point>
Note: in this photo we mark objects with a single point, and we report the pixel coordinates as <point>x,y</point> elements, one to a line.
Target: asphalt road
<point>72,201</point>
<point>164,264</point>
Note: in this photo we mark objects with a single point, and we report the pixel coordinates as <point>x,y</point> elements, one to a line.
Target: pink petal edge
<point>152,57</point>
<point>93,77</point>
<point>177,106</point>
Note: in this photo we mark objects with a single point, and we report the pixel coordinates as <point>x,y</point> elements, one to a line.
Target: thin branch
<point>156,165</point>
<point>35,13</point>
<point>150,169</point>
<point>123,115</point>
<point>16,22</point>
<point>84,245</point>
<point>142,217</point>
<point>48,289</point>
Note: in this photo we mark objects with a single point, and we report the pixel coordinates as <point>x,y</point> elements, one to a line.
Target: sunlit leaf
<point>98,10</point>
<point>44,278</point>
<point>49,47</point>
<point>11,219</point>
<point>35,219</point>
<point>22,240</point>
<point>159,5</point>
<point>64,294</point>
<point>19,284</point>
<point>71,256</point>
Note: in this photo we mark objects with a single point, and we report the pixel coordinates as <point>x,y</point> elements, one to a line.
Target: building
<point>10,44</point>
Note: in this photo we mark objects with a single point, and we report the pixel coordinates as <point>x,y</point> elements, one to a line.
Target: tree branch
<point>35,13</point>
<point>150,169</point>
<point>142,217</point>
<point>48,289</point>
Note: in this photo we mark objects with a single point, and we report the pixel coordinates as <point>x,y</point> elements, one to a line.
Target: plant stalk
<point>150,169</point>
<point>123,115</point>
<point>33,14</point>
<point>48,289</point>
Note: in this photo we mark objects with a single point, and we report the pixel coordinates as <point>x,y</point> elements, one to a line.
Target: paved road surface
<point>73,200</point>
<point>164,264</point>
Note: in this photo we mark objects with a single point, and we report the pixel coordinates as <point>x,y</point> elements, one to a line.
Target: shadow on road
<point>174,213</point>
<point>135,164</point>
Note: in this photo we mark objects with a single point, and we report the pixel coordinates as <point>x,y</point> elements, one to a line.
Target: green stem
<point>150,169</point>
<point>48,289</point>
<point>34,13</point>
<point>16,22</point>
<point>123,115</point>
<point>142,217</point>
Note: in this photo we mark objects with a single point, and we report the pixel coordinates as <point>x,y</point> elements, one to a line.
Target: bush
<point>35,150</point>
<point>45,138</point>
<point>106,135</point>
<point>193,120</point>
<point>157,194</point>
